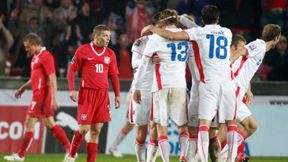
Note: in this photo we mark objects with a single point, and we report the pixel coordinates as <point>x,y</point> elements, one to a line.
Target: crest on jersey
<point>106,60</point>
<point>83,116</point>
<point>252,47</point>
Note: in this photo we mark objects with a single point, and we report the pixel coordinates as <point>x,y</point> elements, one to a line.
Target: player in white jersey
<point>140,113</point>
<point>168,88</point>
<point>252,56</point>
<point>216,89</point>
<point>193,120</point>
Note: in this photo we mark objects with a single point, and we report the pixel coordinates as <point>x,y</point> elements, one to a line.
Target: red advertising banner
<point>12,128</point>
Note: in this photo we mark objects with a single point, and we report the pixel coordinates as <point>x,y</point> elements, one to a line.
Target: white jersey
<point>170,72</point>
<point>211,45</point>
<point>246,66</point>
<point>137,53</point>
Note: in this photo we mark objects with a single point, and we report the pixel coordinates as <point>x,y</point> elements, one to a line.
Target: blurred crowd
<point>66,24</point>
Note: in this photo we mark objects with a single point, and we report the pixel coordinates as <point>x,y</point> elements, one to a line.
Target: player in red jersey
<point>44,87</point>
<point>95,61</point>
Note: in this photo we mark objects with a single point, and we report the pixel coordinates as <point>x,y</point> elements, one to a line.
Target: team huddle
<point>214,121</point>
<point>217,117</point>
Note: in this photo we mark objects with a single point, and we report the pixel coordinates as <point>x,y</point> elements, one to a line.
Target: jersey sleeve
<point>254,48</point>
<point>151,46</point>
<point>48,64</point>
<point>76,61</point>
<point>113,69</point>
<point>192,33</point>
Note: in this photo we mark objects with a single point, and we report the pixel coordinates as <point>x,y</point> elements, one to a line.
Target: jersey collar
<point>98,54</point>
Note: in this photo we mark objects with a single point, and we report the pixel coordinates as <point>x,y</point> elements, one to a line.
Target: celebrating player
<point>169,86</point>
<point>216,90</point>
<point>44,86</point>
<point>95,61</point>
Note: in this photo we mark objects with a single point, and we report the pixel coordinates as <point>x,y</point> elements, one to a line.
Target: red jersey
<point>95,65</point>
<point>42,65</point>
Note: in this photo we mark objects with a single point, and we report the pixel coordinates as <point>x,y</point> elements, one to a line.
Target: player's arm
<point>20,90</point>
<point>141,74</point>
<point>53,84</point>
<point>75,65</point>
<point>184,20</point>
<point>249,96</point>
<point>136,59</point>
<point>177,36</point>
<point>237,53</point>
<point>114,76</point>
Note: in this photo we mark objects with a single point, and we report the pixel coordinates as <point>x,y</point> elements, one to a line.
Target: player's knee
<point>252,127</point>
<point>83,130</point>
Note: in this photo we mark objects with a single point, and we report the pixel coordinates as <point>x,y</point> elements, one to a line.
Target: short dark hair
<point>210,14</point>
<point>100,28</point>
<point>236,38</point>
<point>33,39</point>
<point>270,32</point>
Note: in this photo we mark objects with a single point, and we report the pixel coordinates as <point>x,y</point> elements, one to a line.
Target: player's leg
<point>78,138</point>
<point>193,138</point>
<point>203,139</point>
<point>92,143</point>
<point>160,116</point>
<point>57,132</point>
<point>250,126</point>
<point>214,144</point>
<point>228,110</point>
<point>184,141</point>
<point>208,106</point>
<point>153,144</point>
<point>26,140</point>
<point>163,142</point>
<point>119,138</point>
<point>178,112</point>
<point>140,146</point>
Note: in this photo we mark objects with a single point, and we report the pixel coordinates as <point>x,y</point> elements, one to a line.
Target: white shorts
<point>217,98</point>
<point>170,102</point>
<point>193,115</point>
<point>243,112</point>
<point>139,114</point>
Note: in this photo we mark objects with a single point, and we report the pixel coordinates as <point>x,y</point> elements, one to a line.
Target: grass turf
<point>127,158</point>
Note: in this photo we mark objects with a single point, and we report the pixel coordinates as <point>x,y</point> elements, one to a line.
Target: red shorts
<point>93,106</point>
<point>40,105</point>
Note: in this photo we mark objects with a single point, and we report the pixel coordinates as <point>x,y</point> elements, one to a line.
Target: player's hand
<point>19,92</point>
<point>117,102</point>
<point>155,58</point>
<point>73,95</point>
<point>146,30</point>
<point>54,104</point>
<point>137,96</point>
<point>249,96</point>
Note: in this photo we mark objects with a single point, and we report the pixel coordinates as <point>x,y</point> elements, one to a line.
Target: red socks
<point>76,142</point>
<point>61,137</point>
<point>92,150</point>
<point>26,143</point>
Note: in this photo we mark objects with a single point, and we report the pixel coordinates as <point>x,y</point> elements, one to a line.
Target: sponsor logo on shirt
<point>252,47</point>
<point>106,60</point>
<point>83,116</point>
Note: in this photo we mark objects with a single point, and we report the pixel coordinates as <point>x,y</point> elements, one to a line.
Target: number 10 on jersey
<point>99,68</point>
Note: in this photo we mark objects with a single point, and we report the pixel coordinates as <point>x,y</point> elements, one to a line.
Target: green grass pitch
<point>127,158</point>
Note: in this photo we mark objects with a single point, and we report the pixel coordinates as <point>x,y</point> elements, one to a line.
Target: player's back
<point>246,66</point>
<point>170,72</point>
<point>211,46</point>
<point>137,50</point>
